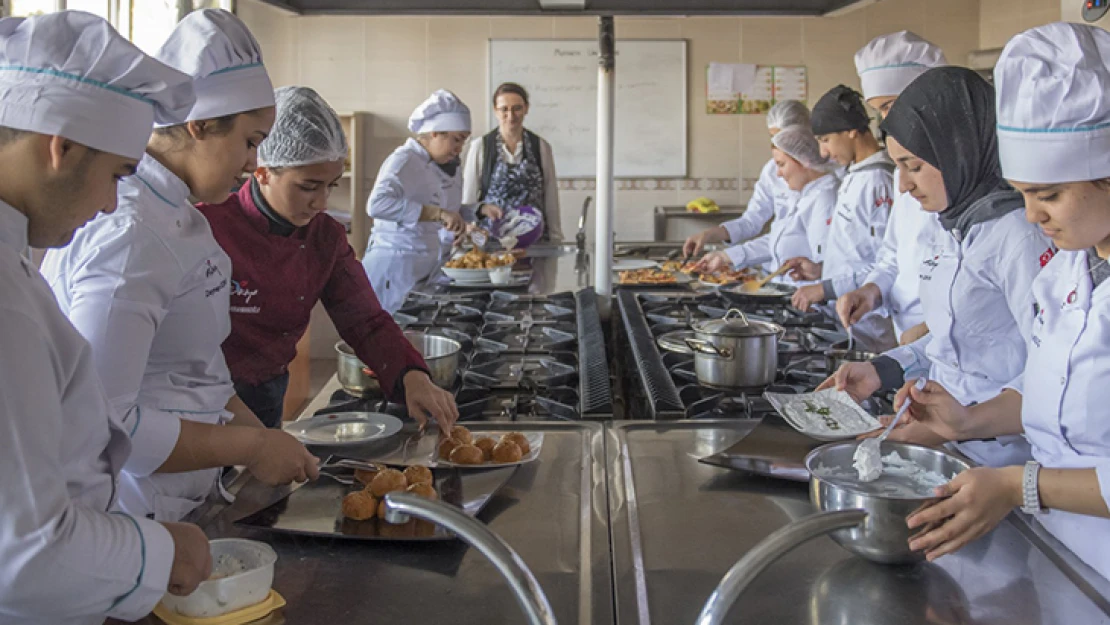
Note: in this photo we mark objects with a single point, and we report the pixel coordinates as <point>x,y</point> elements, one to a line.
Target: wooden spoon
<point>753,286</point>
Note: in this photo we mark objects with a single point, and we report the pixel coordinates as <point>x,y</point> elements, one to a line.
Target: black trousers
<point>265,399</point>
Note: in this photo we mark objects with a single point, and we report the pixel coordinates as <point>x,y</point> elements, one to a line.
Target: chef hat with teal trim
<point>1053,88</point>
<point>888,64</point>
<point>70,74</point>
<point>219,52</point>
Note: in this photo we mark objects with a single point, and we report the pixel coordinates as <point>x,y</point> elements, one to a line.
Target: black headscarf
<point>946,118</point>
<point>839,110</point>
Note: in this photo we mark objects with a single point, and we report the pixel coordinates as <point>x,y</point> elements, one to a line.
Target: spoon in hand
<point>867,459</point>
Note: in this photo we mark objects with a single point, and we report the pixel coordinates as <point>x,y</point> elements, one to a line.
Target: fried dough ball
<point>423,490</point>
<point>462,434</point>
<point>387,481</point>
<point>507,451</point>
<point>418,474</point>
<point>466,454</point>
<point>365,476</point>
<point>359,505</point>
<point>486,444</point>
<point>520,440</point>
<point>447,446</point>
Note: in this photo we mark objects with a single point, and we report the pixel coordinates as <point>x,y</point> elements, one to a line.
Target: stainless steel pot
<point>355,377</point>
<point>859,518</point>
<point>440,353</point>
<point>735,353</point>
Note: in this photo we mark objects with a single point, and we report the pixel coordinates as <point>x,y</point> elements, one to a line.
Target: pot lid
<point>736,324</point>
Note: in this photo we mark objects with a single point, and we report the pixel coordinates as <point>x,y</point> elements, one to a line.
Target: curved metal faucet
<point>398,507</point>
<point>766,552</point>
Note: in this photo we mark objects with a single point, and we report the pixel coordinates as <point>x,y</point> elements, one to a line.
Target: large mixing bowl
<point>440,353</point>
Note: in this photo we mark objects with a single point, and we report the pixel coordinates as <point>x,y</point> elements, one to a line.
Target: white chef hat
<point>888,64</point>
<point>219,52</point>
<point>72,75</point>
<point>1053,87</point>
<point>443,111</point>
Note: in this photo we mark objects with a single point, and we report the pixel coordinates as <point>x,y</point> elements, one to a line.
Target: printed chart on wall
<point>561,76</point>
<point>746,89</point>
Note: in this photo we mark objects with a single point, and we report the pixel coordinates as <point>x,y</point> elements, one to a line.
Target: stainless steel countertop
<point>552,512</point>
<point>678,526</point>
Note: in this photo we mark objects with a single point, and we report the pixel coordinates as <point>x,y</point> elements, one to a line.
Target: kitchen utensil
<point>836,357</point>
<point>850,340</point>
<point>344,428</point>
<point>242,573</point>
<point>735,353</point>
<point>501,275</point>
<point>754,286</point>
<point>827,415</point>
<point>867,458</point>
<point>856,515</point>
<point>440,353</point>
<point>355,377</point>
<point>772,293</point>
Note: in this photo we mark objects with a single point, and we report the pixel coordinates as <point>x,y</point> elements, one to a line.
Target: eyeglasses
<point>504,110</point>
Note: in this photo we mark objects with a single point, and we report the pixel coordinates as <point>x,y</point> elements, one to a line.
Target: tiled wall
<point>387,65</point>
<point>1001,19</point>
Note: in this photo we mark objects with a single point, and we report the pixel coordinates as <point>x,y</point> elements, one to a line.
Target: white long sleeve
<point>769,189</point>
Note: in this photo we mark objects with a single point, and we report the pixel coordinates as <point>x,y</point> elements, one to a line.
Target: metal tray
<point>773,449</point>
<point>315,509</point>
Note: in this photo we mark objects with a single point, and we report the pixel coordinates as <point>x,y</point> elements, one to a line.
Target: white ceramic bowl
<point>242,573</point>
<point>467,275</point>
<point>501,275</point>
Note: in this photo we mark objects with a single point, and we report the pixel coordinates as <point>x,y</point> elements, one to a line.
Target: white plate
<point>535,441</point>
<point>344,428</point>
<point>844,418</point>
<point>632,264</point>
<point>467,275</point>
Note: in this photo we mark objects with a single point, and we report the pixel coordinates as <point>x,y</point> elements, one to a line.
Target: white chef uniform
<point>771,198</point>
<point>1054,127</point>
<point>403,250</point>
<point>65,559</point>
<point>149,287</point>
<point>886,65</point>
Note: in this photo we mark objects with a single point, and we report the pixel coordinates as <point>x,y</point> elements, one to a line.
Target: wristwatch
<point>1030,489</point>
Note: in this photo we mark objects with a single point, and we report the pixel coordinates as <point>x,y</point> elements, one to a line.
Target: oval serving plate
<point>344,428</point>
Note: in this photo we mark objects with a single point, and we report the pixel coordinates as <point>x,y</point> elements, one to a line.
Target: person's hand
<point>696,243</point>
<point>851,307</point>
<point>453,222</point>
<point>803,269</point>
<point>935,408</point>
<point>192,559</point>
<point>914,333</point>
<point>423,398</point>
<point>279,459</point>
<point>713,262</point>
<point>807,296</point>
<point>491,212</point>
<point>913,432</point>
<point>976,502</point>
<point>858,379</point>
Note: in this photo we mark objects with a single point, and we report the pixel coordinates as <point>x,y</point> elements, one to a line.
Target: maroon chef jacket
<point>277,280</point>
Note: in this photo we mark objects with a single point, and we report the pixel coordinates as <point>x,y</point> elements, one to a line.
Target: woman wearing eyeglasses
<point>512,166</point>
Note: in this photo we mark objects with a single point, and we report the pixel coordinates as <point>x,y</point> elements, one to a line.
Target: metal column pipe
<point>603,238</point>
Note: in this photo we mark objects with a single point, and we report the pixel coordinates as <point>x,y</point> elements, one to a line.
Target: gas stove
<point>663,385</point>
<point>523,357</point>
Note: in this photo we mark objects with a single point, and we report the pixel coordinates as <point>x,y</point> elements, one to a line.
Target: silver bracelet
<point>1030,488</point>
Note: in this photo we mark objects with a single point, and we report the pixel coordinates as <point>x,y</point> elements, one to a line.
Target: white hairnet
<point>788,113</point>
<point>306,131</point>
<point>799,144</point>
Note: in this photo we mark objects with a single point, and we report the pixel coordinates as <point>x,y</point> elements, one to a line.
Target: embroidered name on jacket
<point>242,289</point>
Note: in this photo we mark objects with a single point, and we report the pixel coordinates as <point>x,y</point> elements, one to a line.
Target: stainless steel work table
<point>679,525</point>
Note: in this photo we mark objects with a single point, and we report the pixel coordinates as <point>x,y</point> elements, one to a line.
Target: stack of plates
<point>467,275</point>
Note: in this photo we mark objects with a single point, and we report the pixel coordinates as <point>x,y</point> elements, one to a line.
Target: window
<point>151,23</point>
<point>27,8</point>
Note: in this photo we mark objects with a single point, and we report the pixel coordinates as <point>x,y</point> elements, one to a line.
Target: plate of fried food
<point>653,277</point>
<point>462,449</point>
<point>474,265</point>
<point>679,266</point>
<point>349,501</point>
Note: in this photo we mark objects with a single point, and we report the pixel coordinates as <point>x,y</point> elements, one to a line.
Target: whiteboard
<point>561,79</point>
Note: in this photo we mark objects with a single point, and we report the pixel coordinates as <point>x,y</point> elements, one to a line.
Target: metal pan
<point>771,293</point>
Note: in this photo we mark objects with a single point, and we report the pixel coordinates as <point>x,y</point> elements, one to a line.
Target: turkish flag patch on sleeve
<point>1047,256</point>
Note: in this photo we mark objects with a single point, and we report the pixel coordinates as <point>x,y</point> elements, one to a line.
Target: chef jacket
<point>800,232</point>
<point>1065,393</point>
<point>277,280</point>
<point>858,224</point>
<point>896,266</point>
<point>975,294</point>
<point>771,198</point>
<point>65,558</point>
<point>148,287</point>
